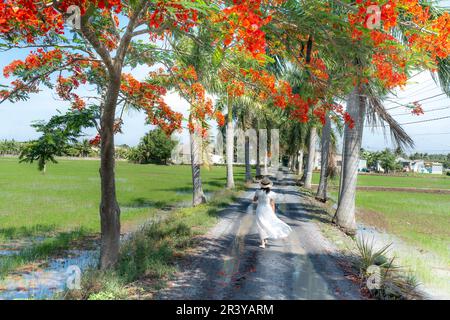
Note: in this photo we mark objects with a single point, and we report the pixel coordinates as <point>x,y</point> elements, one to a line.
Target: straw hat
<point>265,183</point>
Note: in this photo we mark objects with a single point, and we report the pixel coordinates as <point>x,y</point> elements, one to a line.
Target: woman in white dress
<point>268,224</point>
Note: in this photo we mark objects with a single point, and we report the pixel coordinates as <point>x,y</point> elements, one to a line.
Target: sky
<point>431,136</point>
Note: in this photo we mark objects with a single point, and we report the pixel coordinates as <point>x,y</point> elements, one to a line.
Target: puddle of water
<point>48,281</point>
<point>7,253</point>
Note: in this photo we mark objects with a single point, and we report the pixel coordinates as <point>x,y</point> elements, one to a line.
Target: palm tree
<point>83,148</point>
<point>293,135</point>
<point>198,196</point>
<point>324,159</point>
<point>229,146</point>
<point>366,100</point>
<point>199,54</point>
<point>328,151</point>
<point>311,156</point>
<point>363,103</point>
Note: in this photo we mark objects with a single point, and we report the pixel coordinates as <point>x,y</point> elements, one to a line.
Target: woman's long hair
<point>267,190</point>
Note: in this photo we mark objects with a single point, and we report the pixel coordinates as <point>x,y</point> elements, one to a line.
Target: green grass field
<point>413,181</point>
<point>421,220</point>
<point>67,197</point>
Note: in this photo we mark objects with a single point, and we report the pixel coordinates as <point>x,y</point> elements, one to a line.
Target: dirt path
<point>230,265</point>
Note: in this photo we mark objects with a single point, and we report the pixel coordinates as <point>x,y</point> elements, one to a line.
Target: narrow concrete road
<point>229,264</point>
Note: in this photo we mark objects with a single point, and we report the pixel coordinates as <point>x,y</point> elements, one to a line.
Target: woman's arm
<point>272,204</point>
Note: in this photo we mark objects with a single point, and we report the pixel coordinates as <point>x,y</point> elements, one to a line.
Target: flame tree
<point>112,35</point>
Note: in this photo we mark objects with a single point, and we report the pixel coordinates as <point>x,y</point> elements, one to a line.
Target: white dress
<point>268,224</point>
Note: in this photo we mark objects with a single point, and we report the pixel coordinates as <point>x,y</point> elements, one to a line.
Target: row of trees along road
<point>293,56</point>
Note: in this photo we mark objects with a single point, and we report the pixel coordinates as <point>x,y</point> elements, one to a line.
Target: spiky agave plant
<point>393,282</point>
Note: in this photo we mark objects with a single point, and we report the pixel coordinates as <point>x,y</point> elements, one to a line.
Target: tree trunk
<point>325,143</point>
<point>109,208</point>
<point>258,157</point>
<point>293,162</point>
<point>345,213</point>
<point>230,148</point>
<point>198,197</point>
<point>311,156</point>
<point>248,168</point>
<point>300,162</point>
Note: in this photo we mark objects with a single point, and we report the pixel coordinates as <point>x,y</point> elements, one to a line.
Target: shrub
<point>381,277</point>
<point>155,147</point>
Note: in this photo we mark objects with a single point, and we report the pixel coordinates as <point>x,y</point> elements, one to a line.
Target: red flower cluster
<point>220,118</point>
<point>33,61</point>
<point>176,13</point>
<point>384,69</point>
<point>300,108</point>
<point>235,88</point>
<point>244,26</point>
<point>95,141</point>
<point>149,97</point>
<point>417,109</point>
<point>349,120</point>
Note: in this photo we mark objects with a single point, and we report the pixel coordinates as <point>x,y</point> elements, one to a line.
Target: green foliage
<point>11,147</point>
<point>80,149</point>
<point>147,257</point>
<point>57,134</point>
<point>386,159</point>
<point>155,147</point>
<point>394,283</point>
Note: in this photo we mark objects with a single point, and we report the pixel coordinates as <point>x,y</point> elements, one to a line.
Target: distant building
<point>362,166</point>
<point>421,166</point>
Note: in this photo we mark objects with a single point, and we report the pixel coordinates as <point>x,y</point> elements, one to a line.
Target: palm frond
<point>377,115</point>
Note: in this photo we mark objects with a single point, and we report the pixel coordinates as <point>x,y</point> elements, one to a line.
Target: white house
<point>437,168</point>
<point>420,166</point>
<point>362,165</point>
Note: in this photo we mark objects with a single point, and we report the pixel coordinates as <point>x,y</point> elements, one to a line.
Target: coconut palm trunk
<point>258,157</point>
<point>311,155</point>
<point>198,196</point>
<point>230,147</point>
<point>248,168</point>
<point>325,148</point>
<point>345,213</point>
<point>300,162</point>
<point>291,162</point>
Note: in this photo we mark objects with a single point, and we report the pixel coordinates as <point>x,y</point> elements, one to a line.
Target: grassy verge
<point>147,259</point>
<point>358,257</point>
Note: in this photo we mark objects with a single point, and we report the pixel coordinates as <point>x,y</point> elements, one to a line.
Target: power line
<point>412,122</point>
<point>425,111</point>
<point>417,91</point>
<point>404,105</point>
<point>417,134</point>
<point>428,120</point>
<point>429,134</point>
